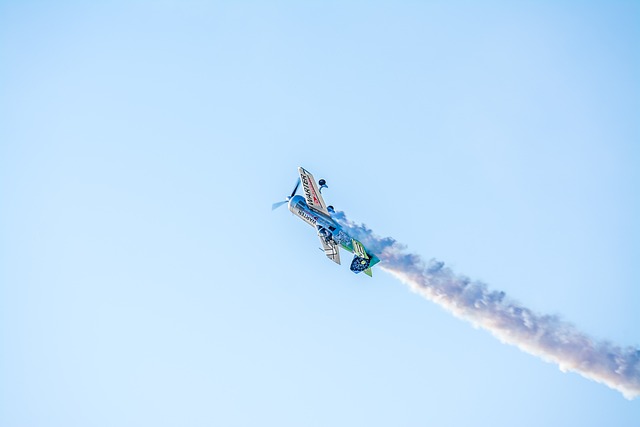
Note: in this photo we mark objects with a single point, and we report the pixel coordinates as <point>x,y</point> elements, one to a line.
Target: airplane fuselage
<point>299,208</point>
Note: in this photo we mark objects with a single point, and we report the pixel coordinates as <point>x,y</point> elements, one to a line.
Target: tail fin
<point>362,260</point>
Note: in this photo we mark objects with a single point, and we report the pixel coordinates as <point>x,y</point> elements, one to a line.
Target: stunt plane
<point>312,210</point>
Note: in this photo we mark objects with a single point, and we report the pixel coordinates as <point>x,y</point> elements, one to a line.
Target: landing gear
<point>323,184</point>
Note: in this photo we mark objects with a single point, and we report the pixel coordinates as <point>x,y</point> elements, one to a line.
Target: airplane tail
<point>362,260</point>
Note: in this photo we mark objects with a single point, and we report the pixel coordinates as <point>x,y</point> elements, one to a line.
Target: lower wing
<point>331,248</point>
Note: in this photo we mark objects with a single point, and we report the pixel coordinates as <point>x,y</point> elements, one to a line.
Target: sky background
<point>145,281</point>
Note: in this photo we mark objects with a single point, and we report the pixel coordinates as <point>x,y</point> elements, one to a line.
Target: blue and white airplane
<point>312,210</point>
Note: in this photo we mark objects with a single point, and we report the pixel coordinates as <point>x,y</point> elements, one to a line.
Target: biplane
<point>312,209</point>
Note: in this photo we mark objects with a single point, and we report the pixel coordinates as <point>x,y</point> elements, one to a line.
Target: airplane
<point>312,209</point>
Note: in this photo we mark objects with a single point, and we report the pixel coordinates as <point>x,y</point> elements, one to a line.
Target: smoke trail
<point>545,336</point>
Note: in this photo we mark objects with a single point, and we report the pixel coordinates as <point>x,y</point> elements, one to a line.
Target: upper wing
<point>330,249</point>
<point>311,192</point>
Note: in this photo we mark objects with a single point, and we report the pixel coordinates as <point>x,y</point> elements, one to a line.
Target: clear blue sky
<point>145,281</point>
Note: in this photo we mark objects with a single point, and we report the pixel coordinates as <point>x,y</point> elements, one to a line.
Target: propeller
<point>277,205</point>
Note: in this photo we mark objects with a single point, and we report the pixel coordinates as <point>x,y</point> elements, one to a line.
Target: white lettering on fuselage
<point>306,216</point>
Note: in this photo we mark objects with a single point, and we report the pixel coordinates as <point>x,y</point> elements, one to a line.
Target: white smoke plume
<point>546,336</point>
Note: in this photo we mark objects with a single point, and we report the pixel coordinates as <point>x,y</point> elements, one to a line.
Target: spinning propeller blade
<point>277,205</point>
<point>293,193</point>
